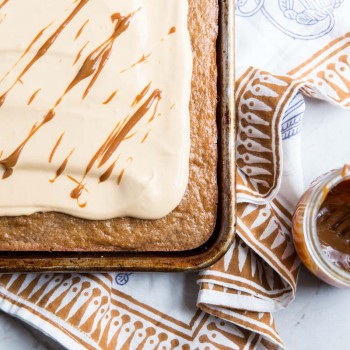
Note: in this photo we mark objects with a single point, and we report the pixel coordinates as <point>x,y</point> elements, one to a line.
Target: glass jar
<point>305,235</point>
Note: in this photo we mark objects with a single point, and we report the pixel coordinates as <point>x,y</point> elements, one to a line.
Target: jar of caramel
<point>321,228</point>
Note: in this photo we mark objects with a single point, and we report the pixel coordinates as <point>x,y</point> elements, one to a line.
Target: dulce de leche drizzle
<point>62,167</point>
<point>111,97</point>
<point>94,63</point>
<point>333,225</point>
<point>80,53</point>
<point>106,175</point>
<point>81,134</point>
<point>172,30</point>
<point>2,4</point>
<point>113,141</point>
<point>143,59</point>
<point>31,44</point>
<point>81,29</point>
<point>58,142</point>
<point>32,98</point>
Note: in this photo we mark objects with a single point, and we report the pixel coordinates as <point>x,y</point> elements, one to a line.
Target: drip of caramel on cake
<point>79,53</point>
<point>3,4</point>
<point>154,113</point>
<point>36,38</point>
<point>172,30</point>
<point>141,60</point>
<point>9,163</point>
<point>97,59</point>
<point>146,136</point>
<point>55,147</point>
<point>141,95</point>
<point>110,98</point>
<point>120,176</point>
<point>81,29</point>
<point>33,97</point>
<point>63,166</point>
<point>106,175</point>
<point>76,193</point>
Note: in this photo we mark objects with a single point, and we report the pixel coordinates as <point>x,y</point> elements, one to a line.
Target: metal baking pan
<point>223,233</point>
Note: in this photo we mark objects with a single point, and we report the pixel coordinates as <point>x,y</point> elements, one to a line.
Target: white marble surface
<point>319,318</point>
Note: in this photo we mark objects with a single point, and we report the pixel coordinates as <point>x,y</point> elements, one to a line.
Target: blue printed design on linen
<point>292,120</point>
<point>122,278</point>
<point>299,19</point>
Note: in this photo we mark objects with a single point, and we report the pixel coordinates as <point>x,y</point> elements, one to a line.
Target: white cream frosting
<point>152,174</point>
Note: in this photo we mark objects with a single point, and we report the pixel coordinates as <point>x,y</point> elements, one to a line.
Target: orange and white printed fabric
<point>301,48</point>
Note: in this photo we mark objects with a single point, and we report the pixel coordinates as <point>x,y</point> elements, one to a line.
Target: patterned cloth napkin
<point>301,47</point>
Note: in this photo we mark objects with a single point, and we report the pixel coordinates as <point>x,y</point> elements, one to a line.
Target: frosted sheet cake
<point>107,124</point>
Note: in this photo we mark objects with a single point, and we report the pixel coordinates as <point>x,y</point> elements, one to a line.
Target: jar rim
<point>317,197</point>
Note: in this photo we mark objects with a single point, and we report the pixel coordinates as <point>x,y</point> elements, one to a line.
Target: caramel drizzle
<point>111,97</point>
<point>81,188</point>
<point>146,136</point>
<point>37,37</point>
<point>12,160</point>
<point>154,113</point>
<point>79,53</point>
<point>130,124</point>
<point>172,30</point>
<point>141,60</point>
<point>3,4</point>
<point>76,193</point>
<point>141,95</point>
<point>120,176</point>
<point>130,136</point>
<point>45,47</point>
<point>55,147</point>
<point>95,62</point>
<point>81,29</point>
<point>106,175</point>
<point>33,97</point>
<point>63,166</point>
<point>98,57</point>
<point>115,138</point>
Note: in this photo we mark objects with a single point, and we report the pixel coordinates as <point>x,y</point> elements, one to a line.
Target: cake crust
<point>192,222</point>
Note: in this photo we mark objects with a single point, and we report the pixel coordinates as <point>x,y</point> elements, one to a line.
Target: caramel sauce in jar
<point>333,225</point>
<point>321,228</point>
